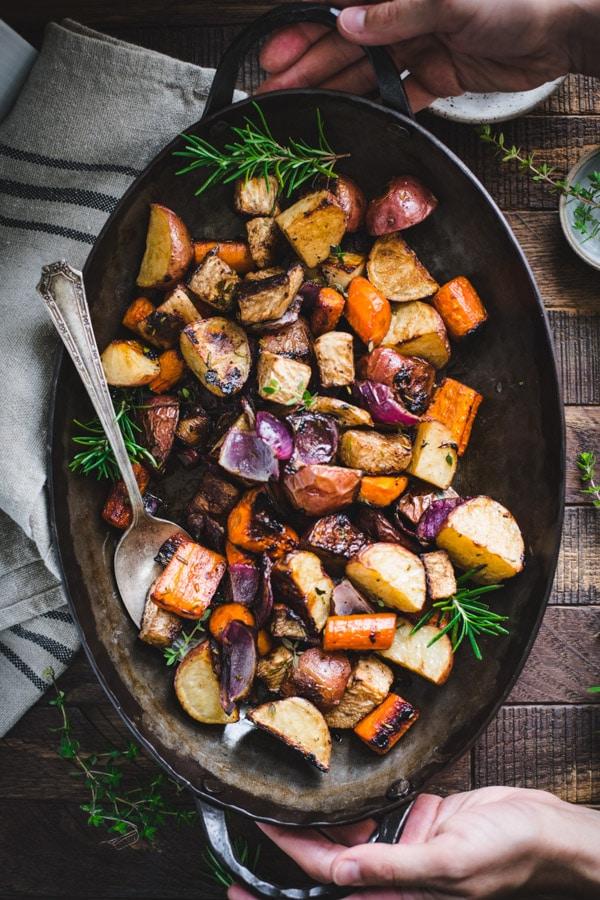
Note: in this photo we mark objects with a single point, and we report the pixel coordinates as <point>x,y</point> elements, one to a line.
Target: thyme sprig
<point>466,616</point>
<point>586,462</point>
<point>256,152</point>
<point>186,641</point>
<point>129,813</point>
<point>585,219</point>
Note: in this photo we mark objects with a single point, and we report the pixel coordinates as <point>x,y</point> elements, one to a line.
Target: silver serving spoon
<point>135,568</point>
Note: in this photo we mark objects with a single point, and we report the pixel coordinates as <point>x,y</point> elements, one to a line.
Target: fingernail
<point>353,18</point>
<point>346,872</point>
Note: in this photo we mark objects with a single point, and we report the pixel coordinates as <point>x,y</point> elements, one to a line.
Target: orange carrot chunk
<point>368,312</point>
<point>172,368</point>
<point>187,584</point>
<point>381,490</point>
<point>327,312</point>
<point>264,644</point>
<point>235,556</point>
<point>136,320</point>
<point>369,631</point>
<point>252,526</point>
<point>226,613</point>
<point>384,727</point>
<point>455,405</point>
<point>117,509</point>
<point>235,253</point>
<point>460,306</point>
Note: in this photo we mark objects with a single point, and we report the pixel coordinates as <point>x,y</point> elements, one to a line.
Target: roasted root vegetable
<point>236,254</point>
<point>327,311</point>
<point>127,364</point>
<point>224,614</point>
<point>340,268</point>
<point>238,663</point>
<point>214,282</point>
<point>347,601</point>
<point>344,413</point>
<point>168,249</point>
<point>410,378</point>
<point>189,581</point>
<point>256,196</point>
<point>168,548</point>
<point>319,490</point>
<point>117,509</point>
<point>274,668</point>
<point>319,676</point>
<point>218,353</point>
<point>193,430</point>
<point>482,533</point>
<point>384,727</point>
<point>293,341</point>
<point>263,241</point>
<point>215,495</point>
<point>381,490</point>
<point>253,525</point>
<point>427,652</point>
<point>390,573</point>
<point>368,685</point>
<point>375,453</point>
<point>394,269</point>
<point>176,311</point>
<point>434,454</point>
<point>439,575</point>
<point>315,439</point>
<point>197,688</point>
<point>159,627</point>
<point>313,225</point>
<point>334,539</point>
<point>369,631</point>
<point>266,295</point>
<point>352,200</point>
<point>287,624</point>
<point>405,203</point>
<point>455,405</point>
<point>416,329</point>
<point>299,725</point>
<point>158,419</point>
<point>335,358</point>
<point>300,581</point>
<point>414,503</point>
<point>136,320</point>
<point>460,306</point>
<point>368,311</point>
<point>282,380</point>
<point>172,369</point>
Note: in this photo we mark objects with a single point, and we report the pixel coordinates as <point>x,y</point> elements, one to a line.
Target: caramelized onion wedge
<point>238,664</point>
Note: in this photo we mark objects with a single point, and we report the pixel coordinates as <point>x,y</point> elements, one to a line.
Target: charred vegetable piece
<point>412,651</point>
<point>367,311</point>
<point>276,434</point>
<point>274,668</point>
<point>172,369</point>
<point>381,490</point>
<point>352,200</point>
<point>238,664</point>
<point>327,311</point>
<point>375,453</point>
<point>263,239</point>
<point>247,456</point>
<point>263,604</point>
<point>315,439</point>
<point>390,573</point>
<point>244,575</point>
<point>411,378</point>
<point>339,270</point>
<point>286,624</point>
<point>321,677</point>
<point>293,341</point>
<point>214,282</point>
<point>434,517</point>
<point>347,601</point>
<point>346,414</point>
<point>434,456</point>
<point>394,269</point>
<point>319,490</point>
<point>257,196</point>
<point>218,353</point>
<point>216,496</point>
<point>253,525</point>
<point>266,295</point>
<point>334,539</point>
<point>189,581</point>
<point>158,418</point>
<point>412,505</point>
<point>168,249</point>
<point>298,724</point>
<point>416,329</point>
<point>174,313</point>
<point>235,253</point>
<point>136,319</point>
<point>117,509</point>
<point>313,225</point>
<point>206,531</point>
<point>370,631</point>
<point>384,727</point>
<point>197,688</point>
<point>335,358</point>
<point>439,575</point>
<point>455,405</point>
<point>282,380</point>
<point>368,686</point>
<point>405,203</point>
<point>460,306</point>
<point>193,431</point>
<point>300,581</point>
<point>382,404</point>
<point>264,643</point>
<point>167,551</point>
<point>126,364</point>
<point>159,628</point>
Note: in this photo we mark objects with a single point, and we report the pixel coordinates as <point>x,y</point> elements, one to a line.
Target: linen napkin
<point>91,114</point>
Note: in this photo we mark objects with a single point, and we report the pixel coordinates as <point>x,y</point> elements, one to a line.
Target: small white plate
<point>588,249</point>
<point>478,108</point>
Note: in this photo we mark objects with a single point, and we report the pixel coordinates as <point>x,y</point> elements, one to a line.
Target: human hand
<point>489,842</point>
<point>449,46</point>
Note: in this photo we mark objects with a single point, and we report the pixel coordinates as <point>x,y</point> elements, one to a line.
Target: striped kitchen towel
<point>91,114</point>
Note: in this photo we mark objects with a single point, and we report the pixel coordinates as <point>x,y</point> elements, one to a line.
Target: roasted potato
<point>439,575</point>
<point>417,329</point>
<point>257,196</point>
<point>384,727</point>
<point>215,496</point>
<point>300,725</point>
<point>117,509</point>
<point>126,364</point>
<point>416,652</point>
<point>158,419</point>
<point>266,295</point>
<point>293,341</point>
<point>482,532</point>
<point>274,668</point>
<point>434,454</point>
<point>368,686</point>
<point>394,269</point>
<point>319,490</point>
<point>188,583</point>
<point>375,453</point>
<point>313,225</point>
<point>300,581</point>
<point>282,380</point>
<point>335,358</point>
<point>193,430</point>
<point>334,539</point>
<point>405,203</point>
<point>320,677</point>
<point>390,573</point>
<point>137,318</point>
<point>197,688</point>
<point>168,249</point>
<point>174,313</point>
<point>159,627</point>
<point>214,282</point>
<point>352,200</point>
<point>286,624</point>
<point>263,239</point>
<point>344,413</point>
<point>253,525</point>
<point>410,378</point>
<point>218,353</point>
<point>339,269</point>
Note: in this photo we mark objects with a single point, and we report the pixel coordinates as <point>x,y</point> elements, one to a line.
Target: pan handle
<point>221,92</point>
<point>217,835</point>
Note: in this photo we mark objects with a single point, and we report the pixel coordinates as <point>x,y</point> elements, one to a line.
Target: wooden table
<point>547,734</point>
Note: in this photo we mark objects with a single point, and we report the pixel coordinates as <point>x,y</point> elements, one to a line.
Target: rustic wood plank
<point>554,748</point>
<point>577,578</point>
<point>583,433</point>
<point>577,350</point>
<point>578,95</point>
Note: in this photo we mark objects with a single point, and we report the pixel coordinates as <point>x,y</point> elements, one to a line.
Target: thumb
<point>397,865</point>
<point>387,23</point>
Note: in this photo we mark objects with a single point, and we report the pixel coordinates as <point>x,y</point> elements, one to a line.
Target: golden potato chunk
<point>214,282</point>
<point>197,688</point>
<point>300,580</point>
<point>282,380</point>
<point>369,685</point>
<point>300,725</point>
<point>168,250</point>
<point>126,364</point>
<point>412,651</point>
<point>417,329</point>
<point>395,270</point>
<point>313,225</point>
<point>335,358</point>
<point>375,453</point>
<point>390,573</point>
<point>434,455</point>
<point>218,353</point>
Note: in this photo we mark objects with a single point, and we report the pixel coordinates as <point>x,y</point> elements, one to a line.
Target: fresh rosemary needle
<point>256,152</point>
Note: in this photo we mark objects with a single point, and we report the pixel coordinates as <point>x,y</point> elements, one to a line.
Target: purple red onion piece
<point>347,601</point>
<point>433,518</point>
<point>263,604</point>
<point>238,664</point>
<point>276,434</point>
<point>244,579</point>
<point>380,401</point>
<point>246,455</point>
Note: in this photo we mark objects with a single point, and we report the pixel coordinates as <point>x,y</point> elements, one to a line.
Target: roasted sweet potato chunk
<point>455,405</point>
<point>189,581</point>
<point>117,509</point>
<point>253,525</point>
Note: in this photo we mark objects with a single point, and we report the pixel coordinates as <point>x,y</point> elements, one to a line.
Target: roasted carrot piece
<point>460,306</point>
<point>369,631</point>
<point>172,368</point>
<point>384,727</point>
<point>368,312</point>
<point>252,525</point>
<point>235,253</point>
<point>381,490</point>
<point>327,312</point>
<point>226,613</point>
<point>187,584</point>
<point>136,320</point>
<point>117,509</point>
<point>264,644</point>
<point>455,405</point>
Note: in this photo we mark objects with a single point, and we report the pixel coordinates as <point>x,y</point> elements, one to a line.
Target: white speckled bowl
<point>477,108</point>
<point>588,250</point>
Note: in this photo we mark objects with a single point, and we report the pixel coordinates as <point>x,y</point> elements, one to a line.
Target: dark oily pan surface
<point>515,456</point>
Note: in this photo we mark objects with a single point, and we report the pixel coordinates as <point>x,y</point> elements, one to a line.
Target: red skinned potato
<point>168,249</point>
<point>319,490</point>
<point>405,203</point>
<point>320,677</point>
<point>352,200</point>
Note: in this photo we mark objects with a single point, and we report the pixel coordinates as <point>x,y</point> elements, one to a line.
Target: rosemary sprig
<point>584,215</point>
<point>129,813</point>
<point>586,461</point>
<point>185,642</point>
<point>256,152</point>
<point>97,458</point>
<point>214,871</point>
<point>466,615</point>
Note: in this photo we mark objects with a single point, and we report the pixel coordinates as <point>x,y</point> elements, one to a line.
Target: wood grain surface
<point>548,734</point>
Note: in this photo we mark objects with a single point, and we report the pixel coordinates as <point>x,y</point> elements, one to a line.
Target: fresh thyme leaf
<point>595,689</point>
<point>586,462</point>
<point>338,253</point>
<point>308,399</point>
<point>271,387</point>
<point>184,643</point>
<point>449,459</point>
<point>256,152</point>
